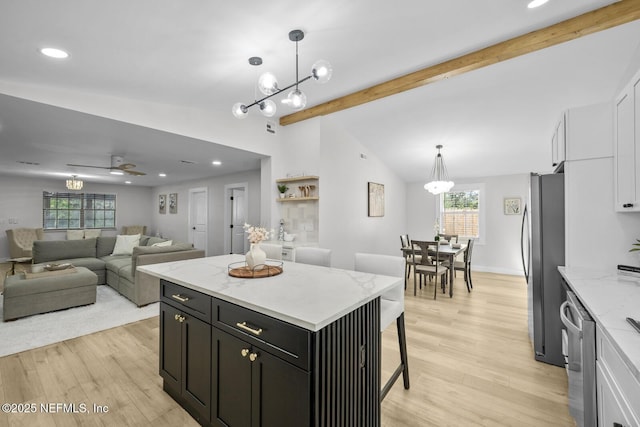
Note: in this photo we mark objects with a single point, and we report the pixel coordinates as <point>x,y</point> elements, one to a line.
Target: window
<point>461,211</point>
<point>62,211</point>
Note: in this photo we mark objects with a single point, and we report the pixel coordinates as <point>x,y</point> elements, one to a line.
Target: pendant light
<point>321,72</point>
<point>440,182</point>
<point>74,184</point>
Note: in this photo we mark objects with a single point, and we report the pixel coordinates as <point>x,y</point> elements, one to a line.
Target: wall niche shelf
<point>296,199</point>
<point>312,180</point>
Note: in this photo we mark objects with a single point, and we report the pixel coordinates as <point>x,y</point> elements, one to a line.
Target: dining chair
<point>273,250</point>
<point>405,242</point>
<point>464,266</point>
<point>391,307</point>
<point>428,264</point>
<point>315,256</point>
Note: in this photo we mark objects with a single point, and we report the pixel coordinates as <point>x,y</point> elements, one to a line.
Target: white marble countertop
<point>610,298</point>
<point>308,296</point>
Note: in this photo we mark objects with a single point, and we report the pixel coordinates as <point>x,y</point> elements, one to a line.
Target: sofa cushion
<point>92,233</point>
<point>75,234</point>
<point>125,244</point>
<point>144,250</point>
<point>116,262</point>
<point>105,246</point>
<point>54,250</point>
<point>143,240</point>
<point>153,240</point>
<point>161,244</point>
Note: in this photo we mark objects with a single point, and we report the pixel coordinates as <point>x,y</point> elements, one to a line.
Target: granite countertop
<point>610,298</point>
<point>308,296</point>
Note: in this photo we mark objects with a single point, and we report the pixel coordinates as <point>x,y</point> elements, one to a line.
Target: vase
<point>256,257</point>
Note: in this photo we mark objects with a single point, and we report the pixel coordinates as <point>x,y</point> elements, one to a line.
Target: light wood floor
<point>470,362</point>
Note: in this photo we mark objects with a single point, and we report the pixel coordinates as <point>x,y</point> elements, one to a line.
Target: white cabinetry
<point>618,391</point>
<point>627,148</point>
<point>583,133</point>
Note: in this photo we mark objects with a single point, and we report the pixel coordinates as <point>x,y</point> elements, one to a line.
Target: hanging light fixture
<point>321,72</point>
<point>74,184</point>
<point>439,178</point>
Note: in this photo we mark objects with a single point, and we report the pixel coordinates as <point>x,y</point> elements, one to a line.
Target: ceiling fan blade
<point>125,166</point>
<point>90,166</point>
<point>132,172</point>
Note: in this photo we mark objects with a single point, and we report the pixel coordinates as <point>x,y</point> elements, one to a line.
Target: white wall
<point>500,251</point>
<point>175,226</point>
<point>21,198</point>
<point>316,147</point>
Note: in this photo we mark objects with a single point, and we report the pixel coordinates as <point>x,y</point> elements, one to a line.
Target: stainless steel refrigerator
<point>542,252</point>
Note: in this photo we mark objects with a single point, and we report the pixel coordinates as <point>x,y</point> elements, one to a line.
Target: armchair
<point>134,229</point>
<point>21,241</point>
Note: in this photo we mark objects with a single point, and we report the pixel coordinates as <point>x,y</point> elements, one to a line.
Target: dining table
<point>448,250</point>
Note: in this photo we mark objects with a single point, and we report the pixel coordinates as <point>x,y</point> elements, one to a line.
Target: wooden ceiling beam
<point>597,20</point>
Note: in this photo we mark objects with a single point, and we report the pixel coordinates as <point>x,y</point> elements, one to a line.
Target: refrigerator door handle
<point>525,267</point>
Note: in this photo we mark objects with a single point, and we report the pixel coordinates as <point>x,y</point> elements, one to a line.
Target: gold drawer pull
<point>180,298</point>
<point>244,326</point>
<point>253,357</point>
<point>244,352</point>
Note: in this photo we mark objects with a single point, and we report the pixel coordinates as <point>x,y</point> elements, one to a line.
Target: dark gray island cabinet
<point>229,365</point>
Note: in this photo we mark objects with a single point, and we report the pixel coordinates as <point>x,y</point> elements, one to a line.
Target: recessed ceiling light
<point>54,53</point>
<point>127,182</point>
<point>536,3</point>
<point>116,172</point>
<point>162,174</point>
<point>216,163</point>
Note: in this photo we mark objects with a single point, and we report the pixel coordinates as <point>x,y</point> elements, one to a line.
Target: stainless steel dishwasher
<point>579,348</point>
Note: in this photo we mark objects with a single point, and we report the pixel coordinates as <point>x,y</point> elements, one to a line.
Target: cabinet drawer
<point>282,339</point>
<point>193,302</point>
<point>612,362</point>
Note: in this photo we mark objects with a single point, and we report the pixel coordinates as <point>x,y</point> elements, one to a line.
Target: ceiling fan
<point>118,166</point>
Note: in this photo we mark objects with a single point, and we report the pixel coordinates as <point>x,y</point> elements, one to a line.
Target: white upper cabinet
<point>583,133</point>
<point>627,148</point>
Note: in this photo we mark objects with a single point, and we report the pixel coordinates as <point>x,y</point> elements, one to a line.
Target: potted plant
<point>635,246</point>
<point>282,188</point>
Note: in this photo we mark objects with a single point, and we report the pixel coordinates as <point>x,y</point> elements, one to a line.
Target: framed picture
<point>173,203</point>
<point>376,199</point>
<point>162,203</point>
<point>512,206</point>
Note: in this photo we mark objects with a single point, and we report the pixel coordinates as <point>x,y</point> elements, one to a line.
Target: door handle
<point>566,321</point>
<point>193,228</point>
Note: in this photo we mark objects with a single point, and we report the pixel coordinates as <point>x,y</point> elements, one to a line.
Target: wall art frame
<point>375,203</point>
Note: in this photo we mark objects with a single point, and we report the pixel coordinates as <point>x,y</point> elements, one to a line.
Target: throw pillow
<point>75,234</point>
<point>166,243</point>
<point>90,234</point>
<point>125,244</point>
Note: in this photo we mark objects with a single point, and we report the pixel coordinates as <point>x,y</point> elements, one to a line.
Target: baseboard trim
<point>507,271</point>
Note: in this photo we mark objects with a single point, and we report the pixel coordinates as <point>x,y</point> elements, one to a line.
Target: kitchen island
<point>300,348</point>
<point>610,298</point>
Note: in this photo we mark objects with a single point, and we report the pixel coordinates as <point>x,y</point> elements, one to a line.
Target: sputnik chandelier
<point>268,84</point>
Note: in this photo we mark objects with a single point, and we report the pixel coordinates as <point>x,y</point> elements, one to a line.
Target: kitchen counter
<point>610,298</point>
<point>304,295</point>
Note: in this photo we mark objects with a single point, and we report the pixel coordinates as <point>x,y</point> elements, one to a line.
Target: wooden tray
<point>244,272</point>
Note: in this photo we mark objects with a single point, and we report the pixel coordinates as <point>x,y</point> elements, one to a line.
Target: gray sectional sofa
<point>117,271</point>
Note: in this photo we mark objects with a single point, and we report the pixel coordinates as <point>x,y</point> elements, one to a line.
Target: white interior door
<point>198,218</point>
<point>238,219</point>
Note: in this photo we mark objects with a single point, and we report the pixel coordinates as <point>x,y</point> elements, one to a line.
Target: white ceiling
<point>494,121</point>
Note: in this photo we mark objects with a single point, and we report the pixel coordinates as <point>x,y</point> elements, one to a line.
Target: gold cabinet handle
<point>244,326</point>
<point>253,357</point>
<point>180,298</point>
<point>244,352</point>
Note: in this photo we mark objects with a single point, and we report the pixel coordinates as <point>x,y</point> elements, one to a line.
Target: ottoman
<point>40,293</point>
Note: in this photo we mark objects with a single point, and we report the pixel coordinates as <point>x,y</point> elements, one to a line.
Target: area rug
<point>110,310</point>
